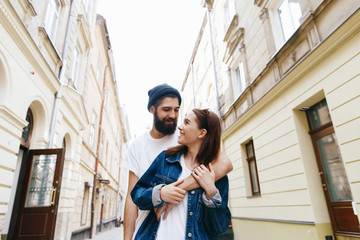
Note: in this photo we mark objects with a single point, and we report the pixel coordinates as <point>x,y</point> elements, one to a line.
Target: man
<point>164,104</point>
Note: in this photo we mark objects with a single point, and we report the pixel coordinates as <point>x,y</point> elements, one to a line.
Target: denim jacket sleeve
<point>217,219</point>
<point>142,193</point>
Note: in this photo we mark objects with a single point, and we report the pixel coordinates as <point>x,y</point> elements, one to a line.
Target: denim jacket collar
<point>174,158</point>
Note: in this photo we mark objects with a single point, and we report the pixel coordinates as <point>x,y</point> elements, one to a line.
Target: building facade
<point>287,84</point>
<point>61,125</point>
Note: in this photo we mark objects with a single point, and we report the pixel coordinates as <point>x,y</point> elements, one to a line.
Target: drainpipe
<point>97,156</point>
<point>213,59</point>
<point>59,93</point>
<point>193,83</point>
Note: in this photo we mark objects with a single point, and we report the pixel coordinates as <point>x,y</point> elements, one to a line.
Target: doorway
<point>37,192</point>
<point>334,179</point>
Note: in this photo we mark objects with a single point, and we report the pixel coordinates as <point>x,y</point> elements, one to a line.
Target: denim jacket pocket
<point>161,179</point>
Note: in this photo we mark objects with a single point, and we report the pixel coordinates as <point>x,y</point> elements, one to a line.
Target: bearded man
<point>164,104</point>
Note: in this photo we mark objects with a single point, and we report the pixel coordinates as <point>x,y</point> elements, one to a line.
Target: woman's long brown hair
<point>211,144</point>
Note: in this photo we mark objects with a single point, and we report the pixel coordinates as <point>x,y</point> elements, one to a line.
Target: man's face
<point>166,116</point>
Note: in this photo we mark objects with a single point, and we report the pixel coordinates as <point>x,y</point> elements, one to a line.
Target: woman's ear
<point>202,133</point>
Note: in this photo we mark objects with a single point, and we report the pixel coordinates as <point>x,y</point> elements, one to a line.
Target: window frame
<point>92,131</point>
<point>85,205</point>
<point>239,80</point>
<point>76,66</point>
<point>276,23</point>
<point>252,159</point>
<point>291,20</point>
<point>229,13</point>
<point>52,18</point>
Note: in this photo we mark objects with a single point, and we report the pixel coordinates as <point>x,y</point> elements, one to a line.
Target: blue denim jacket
<point>202,222</point>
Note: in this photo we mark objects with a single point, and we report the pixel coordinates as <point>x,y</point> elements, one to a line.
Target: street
<point>112,234</point>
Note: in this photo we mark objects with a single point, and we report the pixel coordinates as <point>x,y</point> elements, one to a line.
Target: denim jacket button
<point>190,213</point>
<point>189,235</point>
<point>192,192</point>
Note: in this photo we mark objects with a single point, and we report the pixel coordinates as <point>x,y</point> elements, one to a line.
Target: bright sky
<point>152,42</point>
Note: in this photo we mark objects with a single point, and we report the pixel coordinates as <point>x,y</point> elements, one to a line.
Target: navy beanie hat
<point>159,91</point>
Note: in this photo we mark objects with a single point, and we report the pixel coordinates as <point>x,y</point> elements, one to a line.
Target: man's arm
<point>131,210</point>
<point>221,166</point>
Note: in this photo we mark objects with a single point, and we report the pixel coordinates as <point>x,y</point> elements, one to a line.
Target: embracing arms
<point>131,210</point>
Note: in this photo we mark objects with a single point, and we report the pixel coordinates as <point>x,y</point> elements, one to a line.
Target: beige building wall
<point>36,66</point>
<point>199,88</point>
<point>281,77</point>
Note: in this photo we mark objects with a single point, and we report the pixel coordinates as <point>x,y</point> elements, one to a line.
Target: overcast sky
<point>152,42</point>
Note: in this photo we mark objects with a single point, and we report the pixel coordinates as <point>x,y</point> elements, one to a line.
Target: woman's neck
<point>190,157</point>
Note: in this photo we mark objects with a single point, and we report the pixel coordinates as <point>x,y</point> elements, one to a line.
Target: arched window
<point>27,131</point>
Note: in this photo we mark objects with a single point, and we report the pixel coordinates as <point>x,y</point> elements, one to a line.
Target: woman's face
<point>189,130</point>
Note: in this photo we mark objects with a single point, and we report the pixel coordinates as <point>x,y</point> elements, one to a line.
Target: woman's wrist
<point>160,193</point>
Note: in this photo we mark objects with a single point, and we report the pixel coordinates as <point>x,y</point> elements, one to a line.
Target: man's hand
<point>171,193</point>
<point>166,207</point>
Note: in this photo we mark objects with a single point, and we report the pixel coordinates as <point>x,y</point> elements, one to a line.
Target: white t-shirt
<point>142,152</point>
<point>174,226</point>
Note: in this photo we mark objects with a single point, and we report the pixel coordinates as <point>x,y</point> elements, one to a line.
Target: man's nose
<point>172,114</point>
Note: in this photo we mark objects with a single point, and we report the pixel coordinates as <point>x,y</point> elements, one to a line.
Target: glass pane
<point>249,150</point>
<point>338,185</point>
<point>319,115</point>
<point>290,14</point>
<point>41,180</point>
<point>253,175</point>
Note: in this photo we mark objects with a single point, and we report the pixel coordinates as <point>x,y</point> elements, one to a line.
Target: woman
<point>201,213</point>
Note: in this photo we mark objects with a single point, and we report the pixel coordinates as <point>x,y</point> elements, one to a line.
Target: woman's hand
<point>206,178</point>
<point>171,193</point>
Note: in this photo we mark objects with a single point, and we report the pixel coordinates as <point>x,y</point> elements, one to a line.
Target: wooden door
<point>332,172</point>
<point>335,183</point>
<point>40,195</point>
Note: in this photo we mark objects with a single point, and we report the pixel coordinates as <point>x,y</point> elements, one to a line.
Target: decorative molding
<point>85,29</point>
<point>49,45</point>
<point>232,42</point>
<point>11,118</point>
<point>27,5</point>
<point>233,24</point>
<point>258,2</point>
<point>264,14</point>
<point>275,220</point>
<point>208,3</point>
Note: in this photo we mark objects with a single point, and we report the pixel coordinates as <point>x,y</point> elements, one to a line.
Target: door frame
<point>316,134</point>
<point>56,184</point>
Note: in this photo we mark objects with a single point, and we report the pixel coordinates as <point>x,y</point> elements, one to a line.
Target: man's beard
<point>162,127</point>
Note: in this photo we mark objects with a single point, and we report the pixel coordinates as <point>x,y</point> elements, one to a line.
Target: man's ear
<point>152,109</point>
<point>202,133</point>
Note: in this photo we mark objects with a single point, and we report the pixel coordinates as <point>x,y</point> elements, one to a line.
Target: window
<point>92,130</point>
<point>75,69</point>
<point>254,178</point>
<point>229,11</point>
<point>98,72</point>
<point>289,14</point>
<point>239,83</point>
<point>52,18</point>
<point>85,205</point>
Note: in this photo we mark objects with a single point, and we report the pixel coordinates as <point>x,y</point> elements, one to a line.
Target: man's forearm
<point>130,216</point>
<point>221,165</point>
<point>189,184</point>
